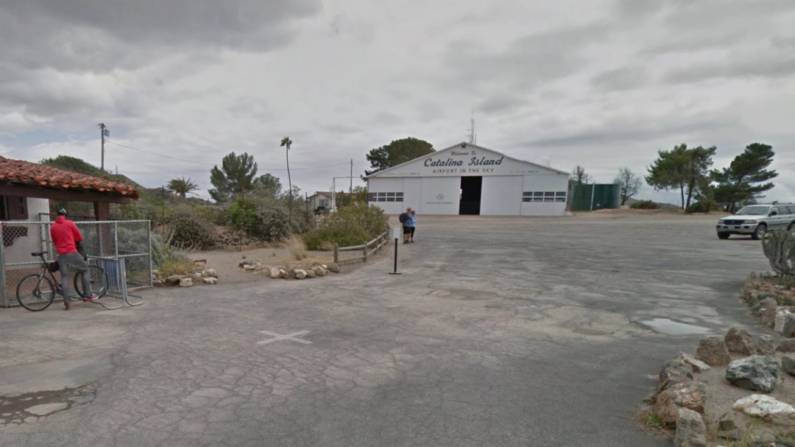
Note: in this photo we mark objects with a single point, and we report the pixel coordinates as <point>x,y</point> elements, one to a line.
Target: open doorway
<point>470,195</point>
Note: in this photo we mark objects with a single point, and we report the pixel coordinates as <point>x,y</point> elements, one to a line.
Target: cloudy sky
<point>601,83</point>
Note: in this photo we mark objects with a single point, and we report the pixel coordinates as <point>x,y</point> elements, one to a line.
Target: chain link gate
<point>122,248</point>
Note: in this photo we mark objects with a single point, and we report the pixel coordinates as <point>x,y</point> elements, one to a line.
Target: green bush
<point>702,207</point>
<point>262,220</point>
<point>645,205</point>
<point>354,224</point>
<point>188,229</point>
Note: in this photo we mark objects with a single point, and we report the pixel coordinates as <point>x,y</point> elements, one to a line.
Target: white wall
<point>376,185</point>
<point>412,188</point>
<point>440,195</point>
<point>23,246</point>
<point>501,196</point>
<point>532,183</point>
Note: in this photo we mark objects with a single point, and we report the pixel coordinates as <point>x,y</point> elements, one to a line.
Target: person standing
<point>66,236</point>
<point>405,220</point>
<point>412,225</point>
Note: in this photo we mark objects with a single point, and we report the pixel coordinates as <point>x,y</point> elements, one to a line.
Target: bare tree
<point>629,183</point>
<point>580,177</point>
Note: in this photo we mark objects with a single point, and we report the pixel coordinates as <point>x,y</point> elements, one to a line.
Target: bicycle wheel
<point>98,279</point>
<point>35,292</point>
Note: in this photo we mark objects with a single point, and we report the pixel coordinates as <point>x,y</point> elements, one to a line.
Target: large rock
<point>690,429</point>
<point>696,364</point>
<point>727,428</point>
<point>274,272</point>
<point>788,330</point>
<point>186,282</point>
<point>787,345</point>
<point>210,280</point>
<point>767,316</point>
<point>333,267</point>
<point>788,363</point>
<point>767,408</point>
<point>674,371</point>
<point>765,345</point>
<point>211,273</point>
<point>174,279</point>
<point>299,274</point>
<point>713,352</point>
<point>766,303</point>
<point>310,273</point>
<point>690,395</point>
<point>782,315</point>
<point>320,271</point>
<point>756,373</point>
<point>739,341</point>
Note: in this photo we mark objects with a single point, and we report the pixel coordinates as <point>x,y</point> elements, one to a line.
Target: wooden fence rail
<point>378,242</point>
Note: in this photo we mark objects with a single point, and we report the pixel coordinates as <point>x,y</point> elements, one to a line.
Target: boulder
<point>285,274</point>
<point>186,282</point>
<point>173,279</point>
<point>788,330</point>
<point>765,303</point>
<point>333,267</point>
<point>243,264</point>
<point>674,371</point>
<point>765,345</point>
<point>211,273</point>
<point>299,274</point>
<point>250,267</point>
<point>274,272</point>
<point>788,363</point>
<point>310,274</point>
<point>767,316</point>
<point>696,364</point>
<point>690,429</point>
<point>320,271</point>
<point>196,277</point>
<point>739,341</point>
<point>755,373</point>
<point>713,352</point>
<point>767,408</point>
<point>787,345</point>
<point>752,297</point>
<point>691,395</point>
<point>210,280</point>
<point>782,314</point>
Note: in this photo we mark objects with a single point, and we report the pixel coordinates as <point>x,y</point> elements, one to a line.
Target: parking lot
<point>500,332</point>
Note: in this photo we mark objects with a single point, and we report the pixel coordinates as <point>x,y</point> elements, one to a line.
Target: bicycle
<point>36,292</point>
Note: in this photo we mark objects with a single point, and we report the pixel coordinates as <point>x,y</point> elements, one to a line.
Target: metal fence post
<point>336,254</point>
<point>149,236</point>
<point>116,237</point>
<point>3,293</point>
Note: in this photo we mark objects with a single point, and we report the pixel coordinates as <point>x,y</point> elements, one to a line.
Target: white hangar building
<point>469,179</point>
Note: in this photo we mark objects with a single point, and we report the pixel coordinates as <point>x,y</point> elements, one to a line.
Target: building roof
<point>465,144</point>
<point>321,193</point>
<point>25,173</point>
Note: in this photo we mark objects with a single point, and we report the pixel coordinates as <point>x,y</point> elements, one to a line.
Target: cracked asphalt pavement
<point>499,332</point>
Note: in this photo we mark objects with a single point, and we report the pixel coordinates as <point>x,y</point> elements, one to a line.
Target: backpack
<point>403,217</point>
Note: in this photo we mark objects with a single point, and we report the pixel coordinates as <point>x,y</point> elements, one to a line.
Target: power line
<point>212,164</point>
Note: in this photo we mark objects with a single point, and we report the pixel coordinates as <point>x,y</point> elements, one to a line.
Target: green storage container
<point>595,197</point>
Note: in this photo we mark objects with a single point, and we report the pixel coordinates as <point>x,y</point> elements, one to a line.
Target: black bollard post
<point>396,251</point>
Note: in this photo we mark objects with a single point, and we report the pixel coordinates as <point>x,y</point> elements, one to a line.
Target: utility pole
<point>351,190</point>
<point>103,132</point>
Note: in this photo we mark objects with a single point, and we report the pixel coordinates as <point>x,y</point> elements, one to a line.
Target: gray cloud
<point>500,103</point>
<point>624,78</point>
<point>774,67</point>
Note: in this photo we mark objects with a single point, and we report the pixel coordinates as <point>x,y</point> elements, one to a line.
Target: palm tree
<point>286,142</point>
<point>182,187</point>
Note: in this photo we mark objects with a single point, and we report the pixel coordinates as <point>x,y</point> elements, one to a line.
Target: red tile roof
<point>20,172</point>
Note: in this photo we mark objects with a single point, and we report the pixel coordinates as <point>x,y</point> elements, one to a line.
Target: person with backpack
<point>412,225</point>
<point>67,240</point>
<point>405,220</point>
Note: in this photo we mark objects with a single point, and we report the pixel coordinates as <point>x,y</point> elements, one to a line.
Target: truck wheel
<point>723,235</point>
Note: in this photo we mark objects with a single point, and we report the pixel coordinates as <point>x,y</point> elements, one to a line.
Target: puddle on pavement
<point>27,408</point>
<point>671,327</point>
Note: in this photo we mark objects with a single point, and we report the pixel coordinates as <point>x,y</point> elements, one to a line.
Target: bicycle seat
<point>39,253</point>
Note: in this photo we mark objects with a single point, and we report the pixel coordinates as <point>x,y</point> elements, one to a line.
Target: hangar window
<point>544,196</point>
<point>385,197</point>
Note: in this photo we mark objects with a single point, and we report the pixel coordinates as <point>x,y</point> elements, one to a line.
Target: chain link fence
<point>121,248</point>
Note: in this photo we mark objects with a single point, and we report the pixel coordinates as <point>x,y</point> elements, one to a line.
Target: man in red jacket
<point>66,236</point>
